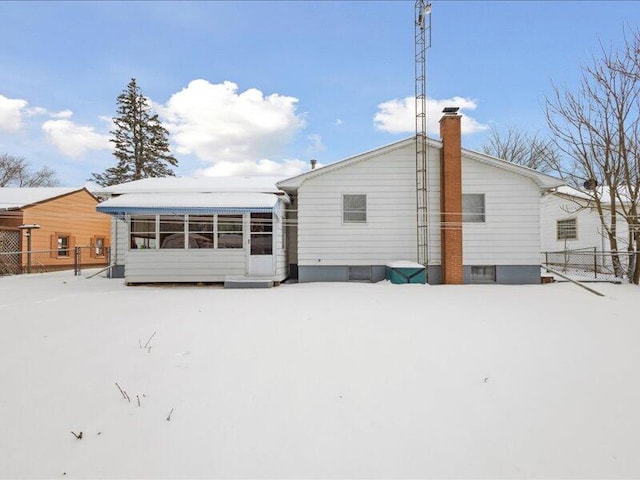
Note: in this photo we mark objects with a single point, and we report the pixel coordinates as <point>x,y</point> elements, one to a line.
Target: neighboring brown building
<point>66,217</point>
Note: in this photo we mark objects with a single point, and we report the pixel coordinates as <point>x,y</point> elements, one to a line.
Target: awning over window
<point>189,203</point>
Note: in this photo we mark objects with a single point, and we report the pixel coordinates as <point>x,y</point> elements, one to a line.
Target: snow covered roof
<point>14,198</point>
<point>184,203</point>
<point>601,192</point>
<point>542,180</point>
<point>197,185</point>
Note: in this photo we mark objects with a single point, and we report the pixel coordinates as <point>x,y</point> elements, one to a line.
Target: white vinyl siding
<point>589,231</point>
<point>388,181</point>
<point>119,239</point>
<point>510,234</point>
<point>183,265</point>
<point>279,247</point>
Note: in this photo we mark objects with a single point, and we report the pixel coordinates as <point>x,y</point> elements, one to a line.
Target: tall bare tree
<point>518,147</point>
<point>596,127</point>
<point>16,172</point>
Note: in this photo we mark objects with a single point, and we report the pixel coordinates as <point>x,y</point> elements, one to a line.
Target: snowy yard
<point>317,380</point>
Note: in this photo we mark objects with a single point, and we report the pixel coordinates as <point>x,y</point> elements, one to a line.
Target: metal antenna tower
<point>422,42</point>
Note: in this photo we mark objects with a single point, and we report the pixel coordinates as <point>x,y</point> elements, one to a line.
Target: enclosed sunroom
<point>197,230</point>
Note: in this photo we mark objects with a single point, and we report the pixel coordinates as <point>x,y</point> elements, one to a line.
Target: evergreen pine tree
<point>141,142</point>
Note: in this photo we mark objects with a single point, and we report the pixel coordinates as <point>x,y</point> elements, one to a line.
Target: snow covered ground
<point>317,380</point>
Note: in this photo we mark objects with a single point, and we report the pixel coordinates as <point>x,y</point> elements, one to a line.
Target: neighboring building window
<point>483,274</point>
<point>261,234</point>
<point>99,246</point>
<point>143,231</point>
<point>200,231</point>
<point>230,231</point>
<point>63,245</point>
<point>171,231</point>
<point>566,229</point>
<point>473,207</point>
<point>354,208</point>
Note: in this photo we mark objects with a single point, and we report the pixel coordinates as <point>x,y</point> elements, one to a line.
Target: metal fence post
<point>595,263</point>
<point>76,261</point>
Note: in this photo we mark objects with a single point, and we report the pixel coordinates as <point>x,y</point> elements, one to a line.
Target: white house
<point>570,221</point>
<point>358,215</point>
<point>197,229</point>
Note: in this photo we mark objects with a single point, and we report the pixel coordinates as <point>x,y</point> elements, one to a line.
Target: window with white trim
<point>171,231</point>
<point>261,234</point>
<point>230,231</point>
<point>354,208</point>
<point>186,231</point>
<point>200,231</point>
<point>143,231</point>
<point>567,229</point>
<point>473,208</point>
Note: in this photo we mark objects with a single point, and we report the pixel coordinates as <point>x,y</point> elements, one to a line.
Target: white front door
<point>261,245</point>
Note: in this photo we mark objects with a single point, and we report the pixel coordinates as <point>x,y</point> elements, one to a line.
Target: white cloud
<point>11,112</point>
<point>222,126</point>
<point>62,114</point>
<point>316,144</point>
<point>74,140</point>
<point>264,167</point>
<point>398,115</point>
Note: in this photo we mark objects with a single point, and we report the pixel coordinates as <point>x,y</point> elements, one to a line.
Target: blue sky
<point>304,80</point>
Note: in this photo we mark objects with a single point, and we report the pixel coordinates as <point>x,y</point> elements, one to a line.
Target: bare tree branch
<point>16,172</point>
<point>597,126</point>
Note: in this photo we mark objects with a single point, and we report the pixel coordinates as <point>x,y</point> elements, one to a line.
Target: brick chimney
<point>451,197</point>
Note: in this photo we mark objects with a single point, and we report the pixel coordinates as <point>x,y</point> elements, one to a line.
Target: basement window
<point>354,208</point>
<point>483,274</point>
<point>360,274</point>
<point>567,229</point>
<point>473,207</point>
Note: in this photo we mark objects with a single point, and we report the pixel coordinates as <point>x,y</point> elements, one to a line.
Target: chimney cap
<point>450,110</point>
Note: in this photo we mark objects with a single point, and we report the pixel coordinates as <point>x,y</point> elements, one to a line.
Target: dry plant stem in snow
<point>121,391</point>
<point>152,335</point>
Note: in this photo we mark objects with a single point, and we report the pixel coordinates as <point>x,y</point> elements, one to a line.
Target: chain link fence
<point>589,264</point>
<point>38,261</point>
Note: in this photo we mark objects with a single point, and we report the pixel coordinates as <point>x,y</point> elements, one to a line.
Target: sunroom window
<point>143,231</point>
<point>171,231</point>
<point>200,231</point>
<point>230,231</point>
